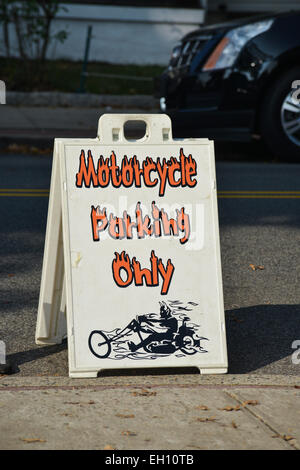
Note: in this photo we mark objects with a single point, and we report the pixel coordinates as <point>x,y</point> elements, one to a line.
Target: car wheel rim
<point>290,118</point>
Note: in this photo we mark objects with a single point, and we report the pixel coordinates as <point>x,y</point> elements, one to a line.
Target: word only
<point>126,271</point>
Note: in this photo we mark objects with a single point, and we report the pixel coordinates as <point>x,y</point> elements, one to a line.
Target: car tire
<point>278,111</point>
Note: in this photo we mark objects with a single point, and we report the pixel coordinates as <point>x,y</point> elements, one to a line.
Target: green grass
<point>64,76</point>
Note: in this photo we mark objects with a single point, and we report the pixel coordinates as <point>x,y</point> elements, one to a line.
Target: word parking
<point>123,227</point>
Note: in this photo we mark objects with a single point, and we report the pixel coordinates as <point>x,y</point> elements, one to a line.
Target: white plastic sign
<point>132,251</point>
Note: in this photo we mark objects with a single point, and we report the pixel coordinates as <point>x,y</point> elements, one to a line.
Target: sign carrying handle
<point>158,128</point>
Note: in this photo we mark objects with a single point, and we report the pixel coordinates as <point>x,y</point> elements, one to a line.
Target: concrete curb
<point>80,100</point>
<point>152,380</point>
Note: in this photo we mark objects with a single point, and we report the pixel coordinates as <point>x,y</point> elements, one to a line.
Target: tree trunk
<point>6,38</point>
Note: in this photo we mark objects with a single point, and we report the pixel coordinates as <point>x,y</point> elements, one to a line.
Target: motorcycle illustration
<point>176,336</point>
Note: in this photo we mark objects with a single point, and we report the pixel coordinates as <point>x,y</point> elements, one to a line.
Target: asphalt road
<point>259,225</point>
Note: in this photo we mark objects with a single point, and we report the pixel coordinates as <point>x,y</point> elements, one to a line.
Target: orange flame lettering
<point>122,262</point>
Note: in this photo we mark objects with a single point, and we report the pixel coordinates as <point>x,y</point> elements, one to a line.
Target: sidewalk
<point>40,125</point>
<point>168,412</point>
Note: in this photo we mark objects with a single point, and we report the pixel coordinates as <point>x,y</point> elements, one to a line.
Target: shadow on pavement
<point>260,335</point>
<point>257,337</point>
<point>149,371</point>
<point>19,358</point>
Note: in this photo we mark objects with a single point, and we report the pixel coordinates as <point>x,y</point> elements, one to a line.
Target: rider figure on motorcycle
<point>160,328</point>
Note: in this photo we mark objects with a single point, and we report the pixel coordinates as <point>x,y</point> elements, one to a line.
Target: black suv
<point>237,80</point>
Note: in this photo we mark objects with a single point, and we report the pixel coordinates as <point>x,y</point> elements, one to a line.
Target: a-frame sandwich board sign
<point>132,252</point>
